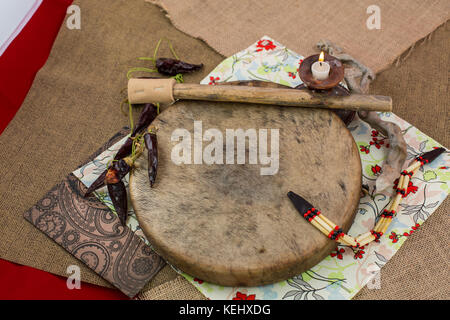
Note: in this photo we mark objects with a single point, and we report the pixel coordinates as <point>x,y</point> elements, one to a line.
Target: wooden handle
<point>284,97</point>
<point>260,95</point>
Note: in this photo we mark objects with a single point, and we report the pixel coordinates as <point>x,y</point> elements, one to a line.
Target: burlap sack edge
<point>395,62</point>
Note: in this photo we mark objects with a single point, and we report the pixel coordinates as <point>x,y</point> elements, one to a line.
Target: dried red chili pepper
<point>97,184</point>
<point>117,171</point>
<point>125,149</point>
<point>118,195</point>
<point>148,114</point>
<point>172,67</point>
<point>151,144</point>
<point>146,117</point>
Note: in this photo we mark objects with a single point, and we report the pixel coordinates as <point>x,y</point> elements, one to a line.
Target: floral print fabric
<point>342,274</point>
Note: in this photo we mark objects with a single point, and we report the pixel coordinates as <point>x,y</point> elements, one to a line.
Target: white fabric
<point>14,15</point>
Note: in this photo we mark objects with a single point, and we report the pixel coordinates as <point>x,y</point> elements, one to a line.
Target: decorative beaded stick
<point>334,232</point>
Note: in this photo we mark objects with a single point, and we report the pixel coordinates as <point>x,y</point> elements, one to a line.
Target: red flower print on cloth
<point>243,296</point>
<point>414,228</point>
<point>377,143</point>
<point>394,237</point>
<point>292,75</point>
<point>364,149</point>
<point>198,280</point>
<point>359,253</point>
<point>376,170</point>
<point>338,253</point>
<point>377,140</point>
<point>265,45</point>
<point>299,64</point>
<point>212,80</point>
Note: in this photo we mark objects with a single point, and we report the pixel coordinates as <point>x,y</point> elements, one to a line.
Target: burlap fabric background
<point>73,108</point>
<point>228,26</point>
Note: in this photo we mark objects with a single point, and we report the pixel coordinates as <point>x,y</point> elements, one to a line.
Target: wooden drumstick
<point>168,91</point>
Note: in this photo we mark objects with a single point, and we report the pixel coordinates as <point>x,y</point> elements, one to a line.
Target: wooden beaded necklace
<point>334,232</point>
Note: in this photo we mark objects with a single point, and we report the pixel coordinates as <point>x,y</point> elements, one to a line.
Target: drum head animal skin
<point>232,223</point>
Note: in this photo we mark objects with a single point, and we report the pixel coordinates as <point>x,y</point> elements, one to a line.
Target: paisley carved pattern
<point>94,255</point>
<point>129,269</point>
<point>87,229</point>
<point>51,223</point>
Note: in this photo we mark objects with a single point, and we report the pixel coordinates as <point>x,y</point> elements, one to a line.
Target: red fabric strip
<point>25,283</point>
<point>26,55</point>
<point>18,67</point>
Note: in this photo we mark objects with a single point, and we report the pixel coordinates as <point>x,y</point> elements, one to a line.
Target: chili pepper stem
<point>139,150</point>
<point>130,114</point>
<point>139,147</point>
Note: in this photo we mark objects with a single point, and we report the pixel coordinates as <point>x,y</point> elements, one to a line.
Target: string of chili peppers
<point>139,139</point>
